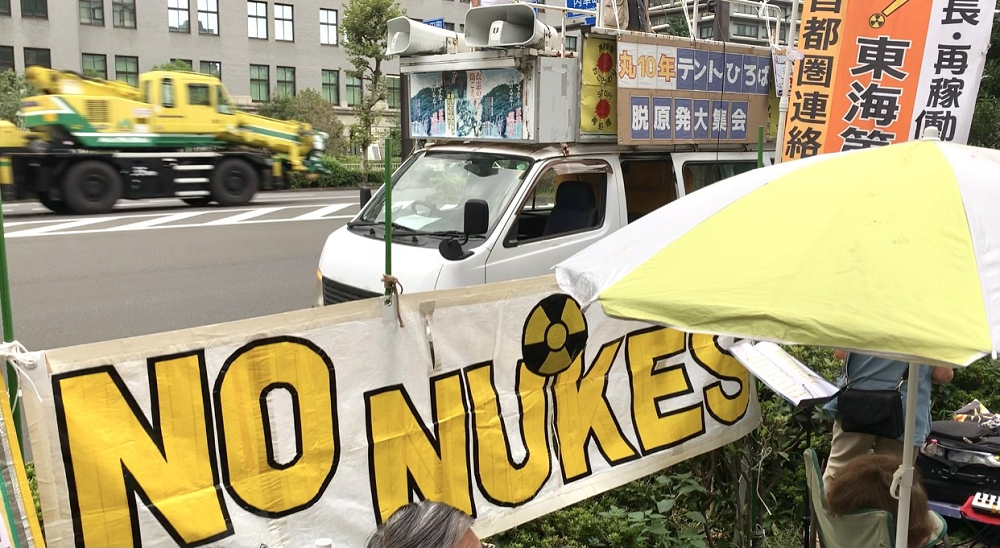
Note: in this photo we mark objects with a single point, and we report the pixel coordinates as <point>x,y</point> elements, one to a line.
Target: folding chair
<point>862,529</point>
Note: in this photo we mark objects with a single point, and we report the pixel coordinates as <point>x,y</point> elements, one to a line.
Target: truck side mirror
<point>477,223</point>
<point>477,218</point>
<point>365,196</point>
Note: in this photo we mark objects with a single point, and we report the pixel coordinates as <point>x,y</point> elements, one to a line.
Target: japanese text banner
<point>871,74</point>
<point>278,431</point>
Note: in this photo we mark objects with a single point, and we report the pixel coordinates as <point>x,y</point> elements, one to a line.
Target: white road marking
<point>322,212</point>
<point>155,222</point>
<point>243,216</point>
<point>52,228</point>
<point>197,225</point>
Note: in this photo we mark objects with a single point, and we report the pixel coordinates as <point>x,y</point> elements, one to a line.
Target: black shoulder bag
<point>878,412</point>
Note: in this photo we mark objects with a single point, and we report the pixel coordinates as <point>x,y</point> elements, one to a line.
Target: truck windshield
<point>430,195</point>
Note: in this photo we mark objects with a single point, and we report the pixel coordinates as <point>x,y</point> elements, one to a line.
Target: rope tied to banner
<point>393,289</point>
<point>20,359</point>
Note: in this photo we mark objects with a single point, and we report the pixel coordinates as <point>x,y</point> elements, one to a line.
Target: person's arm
<point>840,354</point>
<point>943,375</point>
<point>474,3</point>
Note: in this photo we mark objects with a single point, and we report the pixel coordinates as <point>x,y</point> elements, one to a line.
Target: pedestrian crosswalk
<point>14,227</point>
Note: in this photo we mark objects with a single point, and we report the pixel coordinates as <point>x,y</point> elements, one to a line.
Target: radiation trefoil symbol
<point>877,20</point>
<point>554,334</point>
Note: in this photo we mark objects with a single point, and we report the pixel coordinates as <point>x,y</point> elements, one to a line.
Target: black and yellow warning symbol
<point>554,334</point>
<point>877,20</point>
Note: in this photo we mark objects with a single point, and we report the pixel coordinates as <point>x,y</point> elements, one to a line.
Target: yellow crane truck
<point>89,142</point>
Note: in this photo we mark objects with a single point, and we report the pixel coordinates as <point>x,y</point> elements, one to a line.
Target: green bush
<point>340,176</point>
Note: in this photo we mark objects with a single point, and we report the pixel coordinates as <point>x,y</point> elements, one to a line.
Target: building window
<point>41,57</point>
<point>92,12</point>
<point>286,81</point>
<point>260,83</point>
<point>392,97</point>
<point>328,27</point>
<point>95,65</point>
<point>743,8</point>
<point>283,23</point>
<point>705,32</point>
<point>186,62</point>
<point>354,92</point>
<point>257,20</point>
<point>211,67</point>
<point>178,16</point>
<point>123,13</point>
<point>35,8</point>
<point>449,26</point>
<point>7,58</point>
<point>208,16</point>
<point>127,69</point>
<point>571,43</point>
<point>331,86</point>
<point>4,7</point>
<point>744,30</point>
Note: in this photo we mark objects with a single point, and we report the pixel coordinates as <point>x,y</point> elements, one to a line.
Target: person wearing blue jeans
<point>872,373</point>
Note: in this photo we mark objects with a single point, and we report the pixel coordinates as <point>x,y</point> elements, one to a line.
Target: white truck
<point>534,153</point>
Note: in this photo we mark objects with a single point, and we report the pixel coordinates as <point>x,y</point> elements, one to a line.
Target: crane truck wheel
<point>53,205</point>
<point>234,183</point>
<point>91,187</point>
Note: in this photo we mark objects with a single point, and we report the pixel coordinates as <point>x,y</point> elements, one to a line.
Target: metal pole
<point>388,212</point>
<point>905,472</point>
<point>760,146</point>
<point>7,316</point>
<point>783,104</point>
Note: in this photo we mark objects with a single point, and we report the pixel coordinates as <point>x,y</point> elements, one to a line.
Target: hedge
<point>340,176</point>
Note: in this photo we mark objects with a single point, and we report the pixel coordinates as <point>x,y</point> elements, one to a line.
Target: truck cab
<point>535,153</point>
<point>543,205</point>
<point>185,102</point>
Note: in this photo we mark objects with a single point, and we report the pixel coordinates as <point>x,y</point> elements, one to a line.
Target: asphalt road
<point>159,265</point>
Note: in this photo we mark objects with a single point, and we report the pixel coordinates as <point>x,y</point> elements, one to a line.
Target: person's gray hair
<point>423,524</point>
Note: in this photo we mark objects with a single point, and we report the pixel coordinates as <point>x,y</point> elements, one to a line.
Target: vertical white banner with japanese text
<point>952,67</point>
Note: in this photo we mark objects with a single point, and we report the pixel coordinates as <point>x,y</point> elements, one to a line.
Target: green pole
<point>388,210</point>
<point>8,333</point>
<point>760,146</point>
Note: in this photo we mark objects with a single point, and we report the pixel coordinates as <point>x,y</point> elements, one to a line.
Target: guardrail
<point>373,166</point>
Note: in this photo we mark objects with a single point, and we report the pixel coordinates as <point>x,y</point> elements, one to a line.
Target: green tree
<point>677,26</point>
<point>13,88</point>
<point>985,131</point>
<point>173,65</point>
<point>364,23</point>
<point>309,107</point>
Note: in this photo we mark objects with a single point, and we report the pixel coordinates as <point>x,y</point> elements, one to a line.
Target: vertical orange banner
<point>814,76</point>
<point>878,74</point>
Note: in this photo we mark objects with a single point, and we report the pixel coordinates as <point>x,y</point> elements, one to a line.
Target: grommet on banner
<point>393,289</point>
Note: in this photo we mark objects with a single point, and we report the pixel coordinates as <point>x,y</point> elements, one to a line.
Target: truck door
<point>572,204</point>
<point>187,107</point>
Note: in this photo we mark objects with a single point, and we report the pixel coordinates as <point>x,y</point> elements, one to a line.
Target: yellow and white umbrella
<point>893,251</point>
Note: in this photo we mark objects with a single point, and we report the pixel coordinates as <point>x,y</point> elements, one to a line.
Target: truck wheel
<point>55,206</point>
<point>91,187</point>
<point>234,183</point>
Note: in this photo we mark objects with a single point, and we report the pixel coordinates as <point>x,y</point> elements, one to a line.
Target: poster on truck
<point>278,431</point>
<point>480,104</point>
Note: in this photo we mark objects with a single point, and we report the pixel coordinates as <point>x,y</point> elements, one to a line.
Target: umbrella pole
<point>904,476</point>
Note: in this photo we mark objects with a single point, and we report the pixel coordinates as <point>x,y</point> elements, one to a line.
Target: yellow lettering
<point>651,386</point>
<point>112,453</point>
<point>583,412</point>
<point>723,366</point>
<point>405,457</point>
<point>250,471</point>
<point>503,481</point>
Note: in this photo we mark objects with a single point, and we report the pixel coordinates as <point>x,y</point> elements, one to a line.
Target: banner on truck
<point>486,104</point>
<point>673,91</point>
<point>320,423</point>
<point>872,74</point>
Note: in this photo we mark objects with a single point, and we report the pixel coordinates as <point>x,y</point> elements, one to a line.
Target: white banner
<point>315,424</point>
<point>952,67</point>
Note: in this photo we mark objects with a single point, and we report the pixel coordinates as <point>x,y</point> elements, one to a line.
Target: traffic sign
<point>439,23</point>
<point>583,5</point>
